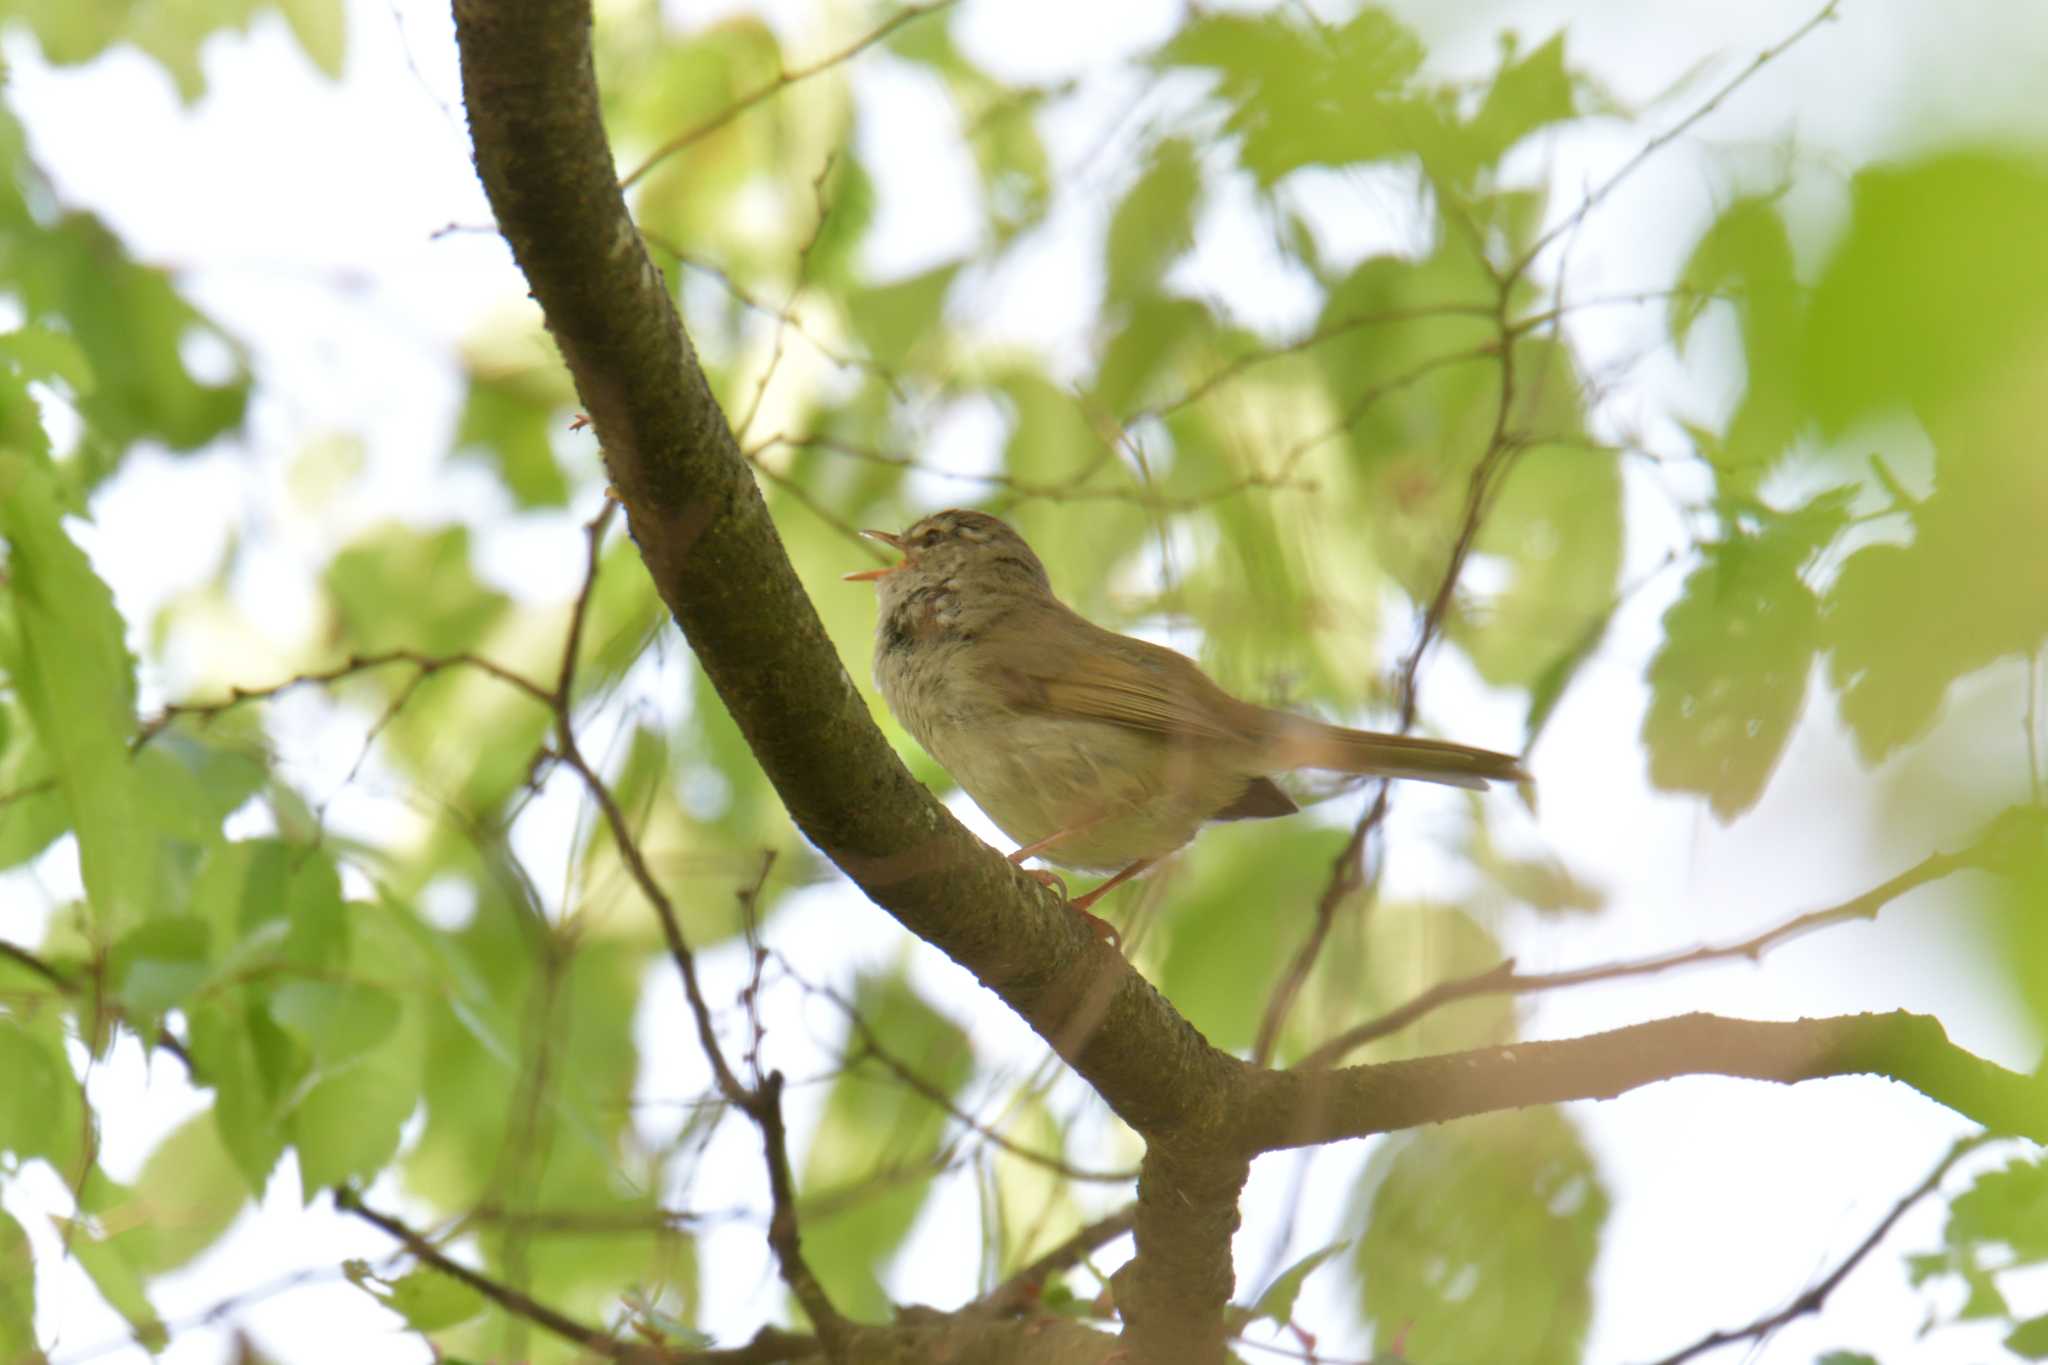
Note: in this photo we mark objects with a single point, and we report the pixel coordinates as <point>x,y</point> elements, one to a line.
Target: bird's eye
<point>925,540</point>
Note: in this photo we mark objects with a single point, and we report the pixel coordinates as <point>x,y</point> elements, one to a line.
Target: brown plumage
<point>1092,749</point>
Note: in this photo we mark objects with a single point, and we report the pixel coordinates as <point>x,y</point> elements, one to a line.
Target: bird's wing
<point>1099,675</point>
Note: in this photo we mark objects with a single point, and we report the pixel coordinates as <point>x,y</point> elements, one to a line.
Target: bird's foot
<point>1104,930</point>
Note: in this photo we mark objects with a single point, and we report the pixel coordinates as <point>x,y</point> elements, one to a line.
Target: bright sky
<point>304,214</point>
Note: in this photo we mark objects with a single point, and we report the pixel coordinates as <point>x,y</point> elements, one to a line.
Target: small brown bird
<point>1091,749</point>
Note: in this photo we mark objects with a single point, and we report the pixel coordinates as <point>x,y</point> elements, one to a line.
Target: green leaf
<point>1332,96</point>
<point>77,682</point>
<point>346,1127</point>
<point>1154,224</point>
<point>1746,256</point>
<point>17,1294</point>
<point>1904,622</point>
<point>1938,289</point>
<point>510,418</point>
<point>895,320</point>
<point>1526,95</point>
<point>1846,1358</point>
<point>35,811</point>
<point>133,329</point>
<point>1555,529</point>
<point>873,1127</point>
<point>188,1194</point>
<point>2029,1340</point>
<point>321,26</point>
<point>41,1107</point>
<point>2007,1207</point>
<point>1220,960</point>
<point>1277,1303</point>
<point>430,1300</point>
<point>1729,681</point>
<point>106,1261</point>
<point>251,1065</point>
<point>1481,1240</point>
<point>401,588</point>
<point>336,1021</point>
<point>160,963</point>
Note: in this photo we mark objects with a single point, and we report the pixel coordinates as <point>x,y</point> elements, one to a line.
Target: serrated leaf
<point>2006,1207</point>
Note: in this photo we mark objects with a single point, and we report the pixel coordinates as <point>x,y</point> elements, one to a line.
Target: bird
<point>1094,751</point>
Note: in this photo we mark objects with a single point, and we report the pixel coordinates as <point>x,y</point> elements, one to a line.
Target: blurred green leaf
<point>1222,954</point>
<point>509,417</point>
<point>321,26</point>
<point>41,1106</point>
<point>1846,1358</point>
<point>1938,288</point>
<point>106,1261</point>
<point>1331,96</point>
<point>1745,257</point>
<point>188,1194</point>
<point>133,331</point>
<point>76,680</point>
<point>872,1154</point>
<point>895,320</point>
<point>17,1294</point>
<point>1526,94</point>
<point>1154,223</point>
<point>401,588</point>
<point>159,963</point>
<point>2029,1340</point>
<point>2007,1207</point>
<point>1729,681</point>
<point>1903,622</point>
<point>430,1300</point>
<point>1277,1303</point>
<point>1481,1240</point>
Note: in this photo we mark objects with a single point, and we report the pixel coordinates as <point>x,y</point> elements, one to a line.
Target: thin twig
<point>1021,1289</point>
<point>776,86</point>
<point>1814,1298</point>
<point>783,1239</point>
<point>872,1046</point>
<point>505,1296</point>
<point>1668,136</point>
<point>1503,979</point>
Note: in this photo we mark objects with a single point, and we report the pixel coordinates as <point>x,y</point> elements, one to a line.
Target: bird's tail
<point>1312,744</point>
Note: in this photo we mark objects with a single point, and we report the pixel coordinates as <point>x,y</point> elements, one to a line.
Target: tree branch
<point>1503,979</point>
<point>704,532</point>
<point>1297,1109</point>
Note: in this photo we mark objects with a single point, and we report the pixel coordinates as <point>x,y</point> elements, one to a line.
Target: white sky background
<point>302,214</point>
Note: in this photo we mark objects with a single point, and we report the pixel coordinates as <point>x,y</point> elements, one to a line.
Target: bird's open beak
<point>894,542</point>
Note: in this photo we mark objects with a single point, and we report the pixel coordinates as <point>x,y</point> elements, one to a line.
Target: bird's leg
<point>1118,880</point>
<point>1058,836</point>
